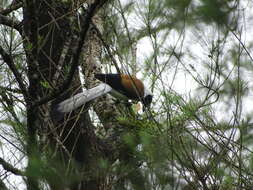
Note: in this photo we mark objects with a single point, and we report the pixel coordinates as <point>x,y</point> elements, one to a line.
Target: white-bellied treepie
<point>121,86</point>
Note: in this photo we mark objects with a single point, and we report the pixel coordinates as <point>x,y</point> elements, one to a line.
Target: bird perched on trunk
<point>121,86</point>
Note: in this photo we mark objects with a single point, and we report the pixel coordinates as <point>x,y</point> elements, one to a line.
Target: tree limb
<point>87,20</point>
<point>8,167</point>
<point>13,6</point>
<point>11,22</point>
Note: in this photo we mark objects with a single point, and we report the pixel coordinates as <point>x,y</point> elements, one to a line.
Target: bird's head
<point>147,98</point>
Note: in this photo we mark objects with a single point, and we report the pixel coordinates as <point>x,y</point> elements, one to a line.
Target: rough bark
<point>105,108</point>
<point>55,36</point>
<point>52,42</point>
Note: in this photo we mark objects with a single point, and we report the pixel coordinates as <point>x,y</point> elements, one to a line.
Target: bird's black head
<point>147,100</point>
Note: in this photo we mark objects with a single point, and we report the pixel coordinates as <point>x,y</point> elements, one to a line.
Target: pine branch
<point>3,186</point>
<point>12,90</point>
<point>8,167</point>
<point>9,61</point>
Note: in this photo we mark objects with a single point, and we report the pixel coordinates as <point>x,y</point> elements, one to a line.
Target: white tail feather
<point>68,105</point>
<point>83,97</point>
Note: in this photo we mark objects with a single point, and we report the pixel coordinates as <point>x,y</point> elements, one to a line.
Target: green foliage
<point>195,57</point>
<point>29,47</point>
<point>215,11</point>
<point>45,84</point>
<point>228,183</point>
<point>50,169</point>
<point>180,4</point>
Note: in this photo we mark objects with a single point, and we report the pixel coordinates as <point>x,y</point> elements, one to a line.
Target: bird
<point>127,85</point>
<point>121,86</point>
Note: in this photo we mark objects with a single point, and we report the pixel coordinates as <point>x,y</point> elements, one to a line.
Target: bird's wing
<point>79,99</point>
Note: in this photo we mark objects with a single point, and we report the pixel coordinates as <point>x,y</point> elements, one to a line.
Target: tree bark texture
<point>54,34</point>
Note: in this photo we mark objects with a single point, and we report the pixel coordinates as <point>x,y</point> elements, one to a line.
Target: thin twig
<point>13,90</point>
<point>14,6</point>
<point>9,61</point>
<point>242,44</point>
<point>107,47</point>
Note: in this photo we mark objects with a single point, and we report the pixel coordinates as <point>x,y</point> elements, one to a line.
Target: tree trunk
<point>53,38</point>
